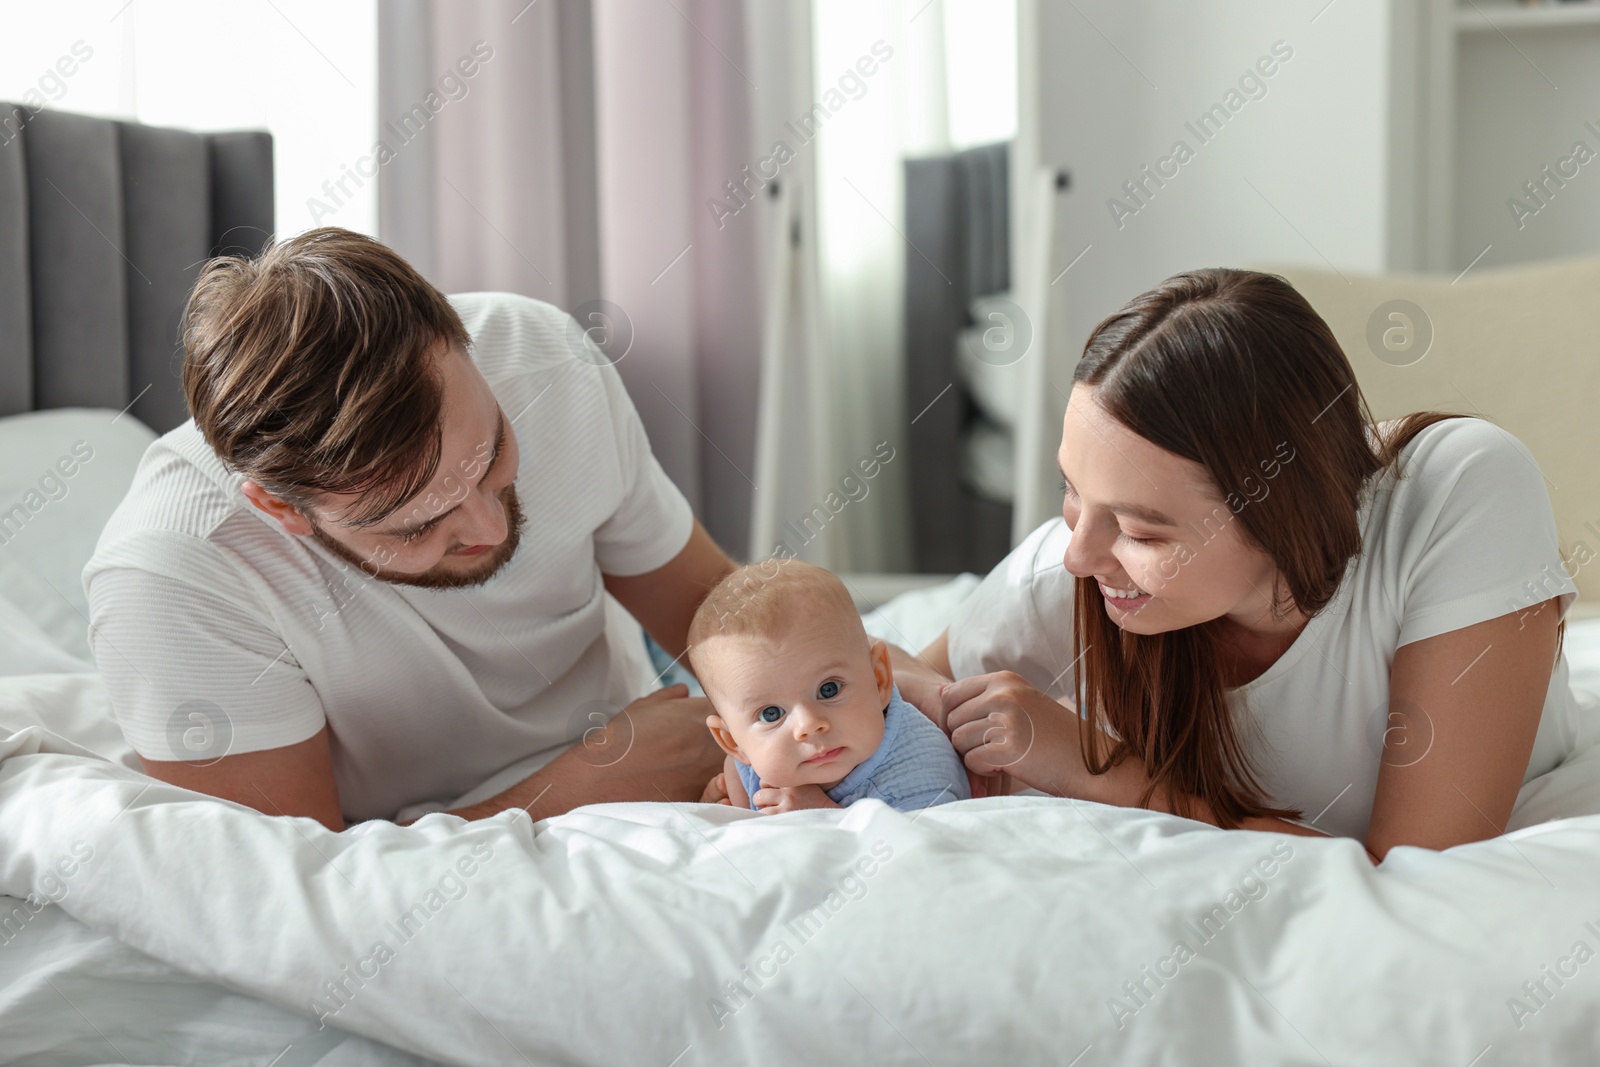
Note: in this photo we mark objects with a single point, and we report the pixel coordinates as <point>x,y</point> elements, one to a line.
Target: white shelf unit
<point>1488,16</point>
<point>1391,141</point>
<point>1510,90</point>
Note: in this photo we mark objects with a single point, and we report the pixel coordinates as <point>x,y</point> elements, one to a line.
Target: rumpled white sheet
<point>1008,930</point>
<point>71,994</point>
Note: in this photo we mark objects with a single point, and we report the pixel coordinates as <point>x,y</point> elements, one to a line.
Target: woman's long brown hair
<point>1229,369</point>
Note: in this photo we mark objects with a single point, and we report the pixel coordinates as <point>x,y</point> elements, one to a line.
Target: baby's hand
<point>774,800</point>
<point>716,791</point>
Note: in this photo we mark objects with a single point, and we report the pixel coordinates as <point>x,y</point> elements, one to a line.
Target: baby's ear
<point>882,669</point>
<point>724,738</point>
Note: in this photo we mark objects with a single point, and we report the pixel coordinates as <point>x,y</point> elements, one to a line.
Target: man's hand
<point>774,800</point>
<point>656,748</point>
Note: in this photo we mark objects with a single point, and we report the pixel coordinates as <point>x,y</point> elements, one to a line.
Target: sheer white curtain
<point>909,77</point>
<point>305,70</point>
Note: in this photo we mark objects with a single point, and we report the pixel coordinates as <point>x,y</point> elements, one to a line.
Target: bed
<point>145,925</point>
<point>141,924</point>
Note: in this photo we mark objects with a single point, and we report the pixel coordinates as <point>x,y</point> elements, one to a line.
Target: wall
<point>1523,102</point>
<point>1297,172</point>
<point>1297,175</point>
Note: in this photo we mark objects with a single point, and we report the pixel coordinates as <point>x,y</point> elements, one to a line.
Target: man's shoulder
<point>530,351</point>
<point>514,333</point>
<point>180,484</point>
<point>181,503</point>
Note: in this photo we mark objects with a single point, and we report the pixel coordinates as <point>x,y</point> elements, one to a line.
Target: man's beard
<point>441,575</point>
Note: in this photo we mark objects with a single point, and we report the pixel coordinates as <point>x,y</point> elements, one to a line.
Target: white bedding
<point>1007,930</point>
<point>992,931</point>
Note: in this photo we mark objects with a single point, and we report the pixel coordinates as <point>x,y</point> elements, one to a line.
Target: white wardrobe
<point>1369,136</point>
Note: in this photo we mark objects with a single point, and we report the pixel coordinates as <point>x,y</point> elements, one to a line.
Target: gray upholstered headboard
<point>103,228</point>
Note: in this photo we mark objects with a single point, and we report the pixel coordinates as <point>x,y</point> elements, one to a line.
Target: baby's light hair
<point>765,599</point>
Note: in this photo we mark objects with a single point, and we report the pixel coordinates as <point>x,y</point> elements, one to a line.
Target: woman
<point>1265,608</point>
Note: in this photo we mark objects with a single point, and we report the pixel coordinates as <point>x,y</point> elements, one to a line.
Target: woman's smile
<point>1126,604</point>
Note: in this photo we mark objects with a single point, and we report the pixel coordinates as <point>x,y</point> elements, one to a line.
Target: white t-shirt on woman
<point>1467,535</point>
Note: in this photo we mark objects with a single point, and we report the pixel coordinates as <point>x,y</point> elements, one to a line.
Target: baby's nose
<point>808,722</point>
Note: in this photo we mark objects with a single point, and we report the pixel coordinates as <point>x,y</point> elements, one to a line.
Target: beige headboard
<point>1519,345</point>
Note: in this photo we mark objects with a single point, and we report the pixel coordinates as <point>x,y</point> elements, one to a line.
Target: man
<point>370,573</point>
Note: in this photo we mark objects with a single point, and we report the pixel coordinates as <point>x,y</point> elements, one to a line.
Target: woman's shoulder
<point>1452,454</point>
<point>1019,617</point>
<point>1034,574</point>
<point>1039,554</point>
<point>1470,471</point>
<point>1457,439</point>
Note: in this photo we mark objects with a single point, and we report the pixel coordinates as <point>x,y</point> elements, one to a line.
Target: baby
<point>805,703</point>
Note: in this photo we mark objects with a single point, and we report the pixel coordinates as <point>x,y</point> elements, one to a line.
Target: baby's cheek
<point>874,729</point>
<point>767,755</point>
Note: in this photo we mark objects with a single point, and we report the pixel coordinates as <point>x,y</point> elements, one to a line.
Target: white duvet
<point>1008,930</point>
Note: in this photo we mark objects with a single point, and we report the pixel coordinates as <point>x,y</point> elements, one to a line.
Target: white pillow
<point>915,618</point>
<point>26,649</point>
<point>65,472</point>
<point>989,358</point>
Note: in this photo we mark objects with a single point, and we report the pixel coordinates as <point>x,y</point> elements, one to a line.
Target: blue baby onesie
<point>914,767</point>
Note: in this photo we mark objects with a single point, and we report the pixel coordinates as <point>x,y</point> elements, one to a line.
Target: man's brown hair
<point>310,369</point>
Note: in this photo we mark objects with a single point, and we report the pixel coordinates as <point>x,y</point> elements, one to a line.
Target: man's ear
<point>882,670</point>
<point>288,516</point>
<point>719,730</point>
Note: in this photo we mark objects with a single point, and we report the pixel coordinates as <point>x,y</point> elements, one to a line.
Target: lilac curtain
<point>568,150</point>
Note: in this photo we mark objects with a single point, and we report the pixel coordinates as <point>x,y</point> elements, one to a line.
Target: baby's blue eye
<point>828,690</point>
<point>771,713</point>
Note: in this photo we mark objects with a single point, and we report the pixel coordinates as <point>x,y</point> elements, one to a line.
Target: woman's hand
<point>920,677</point>
<point>774,800</point>
<point>998,722</point>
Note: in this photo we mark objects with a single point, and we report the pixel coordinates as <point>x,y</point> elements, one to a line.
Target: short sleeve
<point>1479,538</point>
<point>191,676</point>
<point>653,522</point>
<point>1020,617</point>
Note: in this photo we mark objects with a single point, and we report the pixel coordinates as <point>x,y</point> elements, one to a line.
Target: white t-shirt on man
<point>1465,536</point>
<point>218,632</point>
